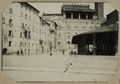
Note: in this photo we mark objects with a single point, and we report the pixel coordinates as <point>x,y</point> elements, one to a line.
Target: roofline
<point>50,14</point>
<point>30,6</point>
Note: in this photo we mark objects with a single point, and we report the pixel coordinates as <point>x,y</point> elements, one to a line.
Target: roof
<point>30,6</point>
<point>76,38</point>
<point>51,14</point>
<point>77,8</point>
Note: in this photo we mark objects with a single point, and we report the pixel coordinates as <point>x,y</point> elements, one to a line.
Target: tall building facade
<point>48,36</point>
<point>21,26</point>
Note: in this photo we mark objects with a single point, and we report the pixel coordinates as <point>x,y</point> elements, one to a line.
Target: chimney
<point>99,7</point>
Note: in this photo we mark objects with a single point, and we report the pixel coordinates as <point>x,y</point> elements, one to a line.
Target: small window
<point>20,44</point>
<point>23,25</point>
<point>83,15</point>
<point>10,43</point>
<point>25,16</point>
<point>10,22</point>
<point>59,42</point>
<point>25,43</point>
<point>68,42</point>
<point>75,15</point>
<point>21,51</point>
<point>68,14</point>
<point>10,10</point>
<point>10,33</point>
<point>25,33</point>
<point>25,50</point>
<point>20,34</point>
<point>29,34</point>
<point>3,20</point>
<point>21,14</point>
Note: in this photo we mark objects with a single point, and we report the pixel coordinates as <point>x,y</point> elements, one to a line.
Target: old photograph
<point>60,41</point>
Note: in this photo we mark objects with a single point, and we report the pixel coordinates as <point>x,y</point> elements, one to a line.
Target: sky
<point>56,7</point>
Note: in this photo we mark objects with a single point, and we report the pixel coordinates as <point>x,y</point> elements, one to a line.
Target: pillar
<point>79,16</point>
<point>99,7</point>
<point>86,15</point>
<point>64,15</point>
<point>94,44</point>
<point>71,15</point>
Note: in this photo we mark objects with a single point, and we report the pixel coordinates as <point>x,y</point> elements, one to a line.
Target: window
<point>20,34</point>
<point>28,51</point>
<point>23,25</point>
<point>75,15</point>
<point>21,14</point>
<point>25,50</point>
<point>20,44</point>
<point>68,42</point>
<point>10,33</point>
<point>10,22</point>
<point>59,42</point>
<point>25,33</point>
<point>10,10</point>
<point>10,43</point>
<point>29,34</point>
<point>68,14</point>
<point>3,20</point>
<point>83,15</point>
<point>21,51</point>
<point>90,15</point>
<point>25,16</point>
<point>25,43</point>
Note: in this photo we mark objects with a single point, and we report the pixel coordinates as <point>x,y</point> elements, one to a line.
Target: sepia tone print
<point>77,30</point>
<point>72,42</point>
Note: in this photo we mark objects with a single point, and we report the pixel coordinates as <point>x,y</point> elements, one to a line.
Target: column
<point>86,15</point>
<point>64,15</point>
<point>94,44</point>
<point>79,16</point>
<point>71,15</point>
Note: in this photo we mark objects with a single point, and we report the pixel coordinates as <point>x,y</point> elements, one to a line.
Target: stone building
<point>77,28</point>
<point>21,26</point>
<point>48,36</point>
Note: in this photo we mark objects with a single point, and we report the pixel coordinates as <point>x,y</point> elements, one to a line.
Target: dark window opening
<point>25,16</point>
<point>58,42</point>
<point>23,25</point>
<point>68,42</point>
<point>75,15</point>
<point>10,43</point>
<point>68,14</point>
<point>10,10</point>
<point>10,33</point>
<point>10,22</point>
<point>20,34</point>
<point>25,33</point>
<point>29,34</point>
<point>90,15</point>
<point>4,51</point>
<point>3,20</point>
<point>21,51</point>
<point>20,44</point>
<point>83,15</point>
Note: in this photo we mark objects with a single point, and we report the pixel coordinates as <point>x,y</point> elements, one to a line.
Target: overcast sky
<point>56,7</point>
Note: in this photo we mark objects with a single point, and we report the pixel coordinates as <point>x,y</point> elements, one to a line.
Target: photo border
<point>115,3</point>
